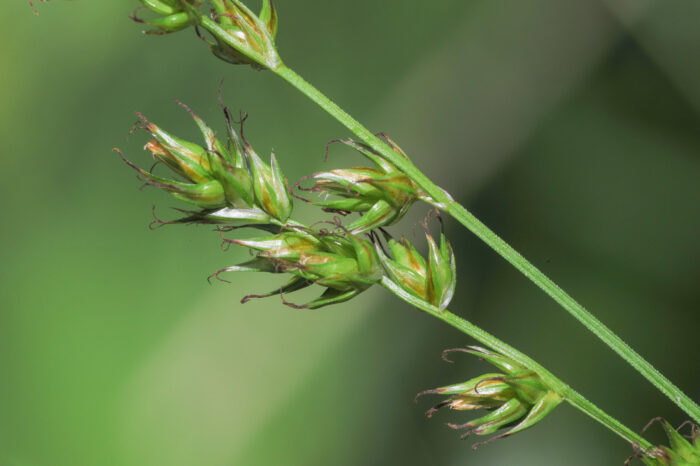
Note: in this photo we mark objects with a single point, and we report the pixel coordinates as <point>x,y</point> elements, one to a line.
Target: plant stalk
<point>445,202</point>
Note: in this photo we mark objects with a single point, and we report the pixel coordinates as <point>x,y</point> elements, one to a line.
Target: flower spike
<point>225,179</point>
<point>417,280</point>
<point>345,265</point>
<point>382,194</point>
<point>516,398</point>
<point>240,36</point>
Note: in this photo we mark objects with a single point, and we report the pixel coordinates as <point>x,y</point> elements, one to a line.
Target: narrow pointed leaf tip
<point>515,398</point>
<point>381,194</point>
<point>345,265</point>
<point>430,281</point>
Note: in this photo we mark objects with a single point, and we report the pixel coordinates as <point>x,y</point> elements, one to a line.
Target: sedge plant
<point>226,183</point>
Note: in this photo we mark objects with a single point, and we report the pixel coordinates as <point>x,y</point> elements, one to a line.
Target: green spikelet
<point>515,398</point>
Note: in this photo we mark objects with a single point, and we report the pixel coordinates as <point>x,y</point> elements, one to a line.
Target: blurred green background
<point>568,126</point>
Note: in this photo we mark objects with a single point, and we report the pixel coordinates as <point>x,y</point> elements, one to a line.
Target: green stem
<point>445,202</point>
<point>550,380</point>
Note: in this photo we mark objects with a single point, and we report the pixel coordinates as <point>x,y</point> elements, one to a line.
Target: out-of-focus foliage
<point>569,126</point>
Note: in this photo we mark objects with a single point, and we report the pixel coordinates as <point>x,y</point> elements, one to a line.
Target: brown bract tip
<point>650,423</point>
<point>292,305</point>
<point>433,391</point>
<point>694,431</point>
<point>452,350</point>
<point>328,147</point>
<point>429,413</point>
<point>248,297</point>
<point>486,442</point>
<point>459,426</point>
<point>157,222</point>
<point>31,5</point>
<point>127,161</point>
<point>216,275</point>
<point>134,17</point>
<point>187,108</point>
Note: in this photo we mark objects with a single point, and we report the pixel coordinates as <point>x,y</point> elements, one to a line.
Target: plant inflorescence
<point>227,184</point>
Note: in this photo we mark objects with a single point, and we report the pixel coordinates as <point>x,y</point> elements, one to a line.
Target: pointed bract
<point>268,15</point>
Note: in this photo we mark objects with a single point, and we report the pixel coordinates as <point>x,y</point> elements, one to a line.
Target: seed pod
<point>515,397</point>
<point>683,450</point>
<point>416,280</point>
<point>345,265</point>
<point>381,194</point>
<point>240,36</point>
<point>172,15</point>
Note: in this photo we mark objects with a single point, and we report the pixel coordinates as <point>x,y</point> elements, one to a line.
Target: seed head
<point>227,180</point>
<point>515,397</point>
<point>430,281</point>
<point>382,194</point>
<point>344,264</point>
<point>240,36</point>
